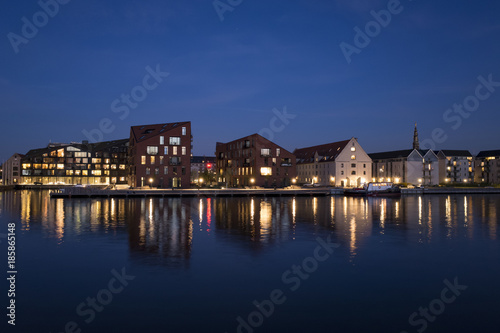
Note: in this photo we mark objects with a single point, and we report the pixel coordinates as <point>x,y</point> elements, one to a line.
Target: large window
<point>266,171</point>
<point>175,141</point>
<point>265,152</point>
<point>152,150</point>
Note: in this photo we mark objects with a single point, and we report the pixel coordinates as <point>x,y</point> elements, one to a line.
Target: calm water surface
<point>201,265</point>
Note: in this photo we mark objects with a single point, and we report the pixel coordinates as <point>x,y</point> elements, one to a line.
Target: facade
<point>455,166</point>
<point>101,163</point>
<point>343,163</point>
<point>160,155</point>
<point>254,161</point>
<point>487,167</point>
<point>412,166</point>
<point>203,167</point>
<point>11,170</point>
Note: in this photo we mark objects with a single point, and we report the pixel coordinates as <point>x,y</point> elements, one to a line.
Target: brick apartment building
<point>160,155</point>
<point>254,161</point>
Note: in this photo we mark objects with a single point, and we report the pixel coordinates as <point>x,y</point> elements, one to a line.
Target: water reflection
<point>162,229</point>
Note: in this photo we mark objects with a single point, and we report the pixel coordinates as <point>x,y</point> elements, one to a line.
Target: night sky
<point>235,67</point>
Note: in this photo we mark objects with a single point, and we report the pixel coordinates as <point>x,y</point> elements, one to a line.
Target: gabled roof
<point>392,154</point>
<point>326,152</point>
<point>458,153</point>
<point>488,153</point>
<point>144,132</point>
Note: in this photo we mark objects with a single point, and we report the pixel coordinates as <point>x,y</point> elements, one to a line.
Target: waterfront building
<point>11,170</point>
<point>254,161</point>
<point>455,166</point>
<point>160,155</point>
<point>413,166</point>
<point>100,163</point>
<point>203,167</point>
<point>343,163</point>
<point>487,167</point>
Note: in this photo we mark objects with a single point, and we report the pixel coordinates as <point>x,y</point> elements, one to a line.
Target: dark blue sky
<point>228,76</point>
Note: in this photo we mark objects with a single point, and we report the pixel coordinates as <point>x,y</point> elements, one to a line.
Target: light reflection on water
<point>165,225</point>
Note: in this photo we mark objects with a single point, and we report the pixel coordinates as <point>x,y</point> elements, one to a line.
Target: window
<point>165,170</point>
<point>175,141</point>
<point>184,131</point>
<point>183,150</point>
<point>162,140</point>
<point>342,165</point>
<point>183,170</point>
<point>96,160</point>
<point>148,171</point>
<point>353,148</point>
<point>143,159</point>
<point>364,165</point>
<point>266,171</point>
<point>123,166</point>
<point>174,150</point>
<point>153,159</point>
<point>342,173</point>
<point>353,165</point>
<point>265,152</point>
<point>278,151</point>
<point>152,150</point>
<point>161,159</point>
<point>353,172</point>
<point>60,166</point>
<point>157,171</point>
<point>175,161</point>
<point>353,157</point>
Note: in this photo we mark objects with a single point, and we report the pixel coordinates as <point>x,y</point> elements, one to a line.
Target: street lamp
<point>200,182</point>
<point>150,182</point>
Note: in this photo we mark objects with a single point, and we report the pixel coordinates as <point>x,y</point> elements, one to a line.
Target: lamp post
<point>150,182</point>
<point>252,181</point>
<point>200,182</point>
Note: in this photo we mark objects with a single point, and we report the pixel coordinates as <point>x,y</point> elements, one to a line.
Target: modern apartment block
<point>343,163</point>
<point>254,161</point>
<point>11,170</point>
<point>455,166</point>
<point>487,167</point>
<point>77,163</point>
<point>160,155</point>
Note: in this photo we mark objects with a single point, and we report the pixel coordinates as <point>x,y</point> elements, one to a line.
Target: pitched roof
<point>488,153</point>
<point>98,146</point>
<point>392,154</point>
<point>327,152</point>
<point>450,152</point>
<point>144,132</point>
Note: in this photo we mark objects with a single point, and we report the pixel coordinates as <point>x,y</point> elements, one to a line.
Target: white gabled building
<point>342,163</point>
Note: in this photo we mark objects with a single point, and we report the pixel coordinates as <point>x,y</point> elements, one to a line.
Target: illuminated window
<point>183,150</point>
<point>162,140</point>
<point>143,159</point>
<point>265,152</point>
<point>96,160</point>
<point>165,150</point>
<point>152,150</point>
<point>96,172</point>
<point>161,159</point>
<point>174,150</point>
<point>123,166</point>
<point>113,166</point>
<point>278,152</point>
<point>106,161</point>
<point>175,141</point>
<point>353,157</point>
<point>266,171</point>
<point>85,172</point>
<point>60,166</point>
<point>353,148</point>
<point>153,159</point>
<point>105,166</point>
<point>122,179</point>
